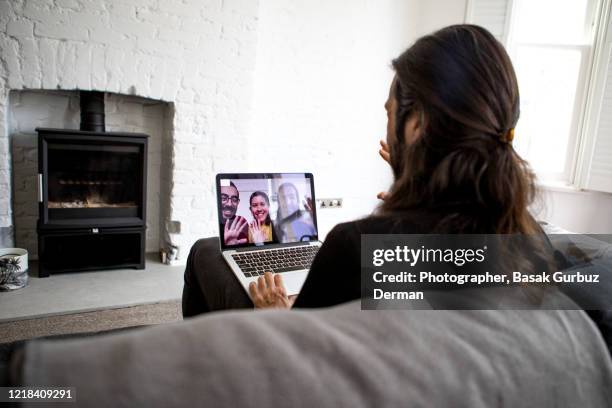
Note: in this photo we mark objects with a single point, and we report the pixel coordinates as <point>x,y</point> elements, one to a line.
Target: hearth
<point>92,195</point>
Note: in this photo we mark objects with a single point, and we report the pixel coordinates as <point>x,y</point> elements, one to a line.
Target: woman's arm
<point>334,276</point>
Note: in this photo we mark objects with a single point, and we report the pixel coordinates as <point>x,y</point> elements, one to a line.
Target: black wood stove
<point>92,195</point>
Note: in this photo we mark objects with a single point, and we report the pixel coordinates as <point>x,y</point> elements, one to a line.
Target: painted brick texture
<point>197,55</point>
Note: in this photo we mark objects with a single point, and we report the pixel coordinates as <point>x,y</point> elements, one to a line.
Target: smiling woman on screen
<point>261,228</point>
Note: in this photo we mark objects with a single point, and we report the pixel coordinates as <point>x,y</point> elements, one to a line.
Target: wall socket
<point>329,203</point>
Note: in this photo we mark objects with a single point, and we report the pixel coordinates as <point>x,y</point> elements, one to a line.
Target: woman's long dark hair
<point>461,84</point>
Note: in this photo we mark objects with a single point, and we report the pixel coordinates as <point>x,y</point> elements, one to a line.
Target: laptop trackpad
<point>293,281</point>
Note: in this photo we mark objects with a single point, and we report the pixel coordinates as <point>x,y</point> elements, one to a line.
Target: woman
<point>452,108</point>
<point>260,229</point>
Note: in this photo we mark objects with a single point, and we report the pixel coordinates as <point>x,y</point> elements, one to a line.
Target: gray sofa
<point>340,356</point>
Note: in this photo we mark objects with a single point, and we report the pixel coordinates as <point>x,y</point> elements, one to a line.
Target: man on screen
<point>293,224</point>
<point>234,228</point>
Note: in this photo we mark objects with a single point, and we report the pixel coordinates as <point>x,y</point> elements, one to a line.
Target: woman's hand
<point>269,293</point>
<point>384,153</point>
<point>257,233</point>
<point>382,195</point>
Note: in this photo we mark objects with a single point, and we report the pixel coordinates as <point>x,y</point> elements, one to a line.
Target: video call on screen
<point>266,210</point>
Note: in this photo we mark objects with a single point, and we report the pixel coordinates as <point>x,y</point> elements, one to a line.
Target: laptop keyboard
<point>255,263</point>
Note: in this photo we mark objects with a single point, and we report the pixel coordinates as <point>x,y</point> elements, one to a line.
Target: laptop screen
<point>257,209</point>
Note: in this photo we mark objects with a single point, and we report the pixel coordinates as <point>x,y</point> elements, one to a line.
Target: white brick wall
<point>322,77</point>
<point>197,54</point>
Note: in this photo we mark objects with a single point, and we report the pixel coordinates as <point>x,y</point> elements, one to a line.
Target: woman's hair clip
<point>507,137</point>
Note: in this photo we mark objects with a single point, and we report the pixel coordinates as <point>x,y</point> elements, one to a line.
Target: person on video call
<point>261,229</point>
<point>292,223</point>
<point>451,111</point>
<point>234,228</point>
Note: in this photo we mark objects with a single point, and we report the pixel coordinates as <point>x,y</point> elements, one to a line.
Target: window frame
<point>594,100</point>
<point>585,73</point>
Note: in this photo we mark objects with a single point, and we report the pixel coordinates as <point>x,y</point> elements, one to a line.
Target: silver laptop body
<point>281,233</point>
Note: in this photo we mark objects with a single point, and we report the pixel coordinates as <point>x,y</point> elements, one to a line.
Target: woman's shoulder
<point>405,223</point>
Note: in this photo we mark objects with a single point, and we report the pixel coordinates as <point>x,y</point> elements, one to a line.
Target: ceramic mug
<point>13,268</point>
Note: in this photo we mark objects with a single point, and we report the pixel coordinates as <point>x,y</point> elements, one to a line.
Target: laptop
<point>268,223</point>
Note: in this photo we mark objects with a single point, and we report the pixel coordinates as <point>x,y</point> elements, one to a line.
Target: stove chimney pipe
<point>92,111</point>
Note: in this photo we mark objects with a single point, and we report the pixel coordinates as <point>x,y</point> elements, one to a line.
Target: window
<point>561,51</point>
<point>550,43</point>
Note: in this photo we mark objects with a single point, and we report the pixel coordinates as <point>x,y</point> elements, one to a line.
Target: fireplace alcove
<point>124,116</point>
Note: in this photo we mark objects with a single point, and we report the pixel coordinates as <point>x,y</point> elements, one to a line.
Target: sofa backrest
<point>340,356</point>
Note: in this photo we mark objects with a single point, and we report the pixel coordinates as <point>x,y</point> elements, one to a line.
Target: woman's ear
<point>414,127</point>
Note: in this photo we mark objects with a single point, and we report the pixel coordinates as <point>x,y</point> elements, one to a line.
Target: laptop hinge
<point>271,246</point>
